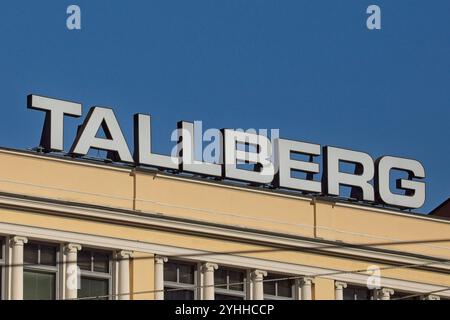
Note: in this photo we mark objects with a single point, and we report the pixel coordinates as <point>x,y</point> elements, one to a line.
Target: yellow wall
<point>224,205</point>
<point>203,201</point>
<point>323,289</point>
<point>142,281</point>
<point>383,230</point>
<point>113,187</point>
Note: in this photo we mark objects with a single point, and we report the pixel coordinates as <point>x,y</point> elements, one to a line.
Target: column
<point>124,274</point>
<point>71,290</point>
<point>208,278</point>
<point>257,277</point>
<point>306,288</point>
<point>385,294</point>
<point>17,244</point>
<point>159,277</point>
<point>339,290</point>
<point>298,289</point>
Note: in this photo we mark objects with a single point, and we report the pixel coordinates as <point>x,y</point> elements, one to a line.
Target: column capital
<point>306,281</point>
<point>385,293</point>
<point>160,259</point>
<point>124,254</point>
<point>19,240</point>
<point>258,274</point>
<point>340,285</point>
<point>72,247</point>
<point>208,266</point>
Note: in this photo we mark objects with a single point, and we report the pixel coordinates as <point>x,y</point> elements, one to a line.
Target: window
<point>180,279</point>
<point>353,292</point>
<point>230,284</point>
<point>95,267</point>
<point>40,271</point>
<point>2,264</point>
<point>278,289</point>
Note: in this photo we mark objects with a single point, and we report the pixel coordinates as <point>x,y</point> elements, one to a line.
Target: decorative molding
<point>160,260</point>
<point>18,240</point>
<point>306,280</point>
<point>220,259</point>
<point>72,247</point>
<point>124,254</point>
<point>209,266</point>
<point>151,220</point>
<point>340,285</point>
<point>258,275</point>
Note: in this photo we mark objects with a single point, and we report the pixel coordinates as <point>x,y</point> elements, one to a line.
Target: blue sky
<point>310,68</point>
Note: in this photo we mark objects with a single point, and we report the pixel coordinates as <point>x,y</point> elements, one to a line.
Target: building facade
<point>82,229</point>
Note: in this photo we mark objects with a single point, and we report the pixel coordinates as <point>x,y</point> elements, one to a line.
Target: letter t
<point>52,138</point>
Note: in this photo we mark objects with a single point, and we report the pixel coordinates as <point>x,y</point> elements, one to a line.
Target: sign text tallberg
<point>272,160</point>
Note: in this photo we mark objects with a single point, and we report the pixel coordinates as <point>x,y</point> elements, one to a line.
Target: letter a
<point>374,20</point>
<point>74,20</point>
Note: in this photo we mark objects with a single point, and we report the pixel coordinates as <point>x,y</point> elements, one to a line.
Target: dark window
<point>84,260</point>
<point>101,262</point>
<point>236,277</point>
<point>220,277</point>
<point>48,255</point>
<point>39,285</point>
<point>95,274</point>
<point>170,272</point>
<point>171,294</point>
<point>94,261</point>
<point>357,293</point>
<point>179,272</point>
<point>31,253</point>
<point>179,280</point>
<point>186,273</point>
<point>94,288</point>
<point>278,289</point>
<point>229,284</point>
<point>40,271</point>
<point>229,279</point>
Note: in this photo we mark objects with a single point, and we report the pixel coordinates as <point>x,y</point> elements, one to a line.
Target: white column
<point>124,274</point>
<point>339,290</point>
<point>72,284</point>
<point>298,289</point>
<point>306,288</point>
<point>257,277</point>
<point>208,278</point>
<point>385,294</point>
<point>159,277</point>
<point>17,244</point>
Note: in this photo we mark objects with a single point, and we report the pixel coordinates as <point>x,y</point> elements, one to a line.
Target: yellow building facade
<point>79,229</point>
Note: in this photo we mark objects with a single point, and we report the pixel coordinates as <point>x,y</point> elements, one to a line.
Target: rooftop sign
<point>273,162</point>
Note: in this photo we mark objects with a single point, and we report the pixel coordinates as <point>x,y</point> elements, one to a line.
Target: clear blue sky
<point>310,68</point>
